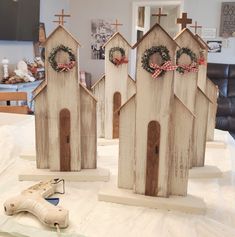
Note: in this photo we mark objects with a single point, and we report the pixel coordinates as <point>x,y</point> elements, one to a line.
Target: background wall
<point>207,13</point>
<point>15,50</point>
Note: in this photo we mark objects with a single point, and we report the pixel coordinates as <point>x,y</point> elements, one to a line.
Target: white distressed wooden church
<point>113,89</point>
<point>65,112</point>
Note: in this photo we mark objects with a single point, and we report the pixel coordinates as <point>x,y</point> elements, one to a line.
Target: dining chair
<point>14,102</point>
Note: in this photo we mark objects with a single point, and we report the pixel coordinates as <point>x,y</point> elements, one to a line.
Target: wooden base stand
<point>91,175</point>
<point>189,204</point>
<point>107,142</point>
<point>206,172</point>
<point>28,155</point>
<point>216,144</point>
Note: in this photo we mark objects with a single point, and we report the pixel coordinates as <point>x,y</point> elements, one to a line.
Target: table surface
<point>89,217</point>
<point>20,85</point>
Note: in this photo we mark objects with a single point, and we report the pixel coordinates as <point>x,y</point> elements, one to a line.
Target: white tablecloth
<point>89,217</point>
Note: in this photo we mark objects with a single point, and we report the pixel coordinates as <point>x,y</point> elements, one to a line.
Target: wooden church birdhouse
<point>65,111</point>
<point>187,88</point>
<point>114,88</point>
<point>155,125</point>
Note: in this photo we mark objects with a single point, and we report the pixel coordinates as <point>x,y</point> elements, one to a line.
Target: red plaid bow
<point>190,68</point>
<point>167,66</point>
<point>118,62</point>
<point>65,67</point>
<point>202,61</point>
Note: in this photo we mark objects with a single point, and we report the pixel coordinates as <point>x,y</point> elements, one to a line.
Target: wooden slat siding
<point>117,101</point>
<point>203,68</point>
<point>63,92</point>
<point>14,109</point>
<point>98,90</point>
<point>65,131</point>
<point>182,124</point>
<point>152,167</point>
<point>88,130</point>
<point>116,79</point>
<point>154,98</point>
<point>39,88</point>
<point>131,87</point>
<point>127,145</point>
<point>211,121</point>
<point>202,75</point>
<point>41,130</point>
<point>200,129</point>
<point>13,96</point>
<point>186,85</point>
<point>212,91</point>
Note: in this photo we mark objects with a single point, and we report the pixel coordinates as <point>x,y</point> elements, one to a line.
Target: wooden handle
<point>47,213</point>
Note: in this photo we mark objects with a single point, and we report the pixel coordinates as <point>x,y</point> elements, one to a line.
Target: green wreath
<point>164,53</point>
<point>62,67</point>
<point>117,61</point>
<point>191,54</point>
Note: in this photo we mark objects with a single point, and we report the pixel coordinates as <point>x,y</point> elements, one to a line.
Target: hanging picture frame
<point>227,20</point>
<point>38,46</point>
<point>141,16</point>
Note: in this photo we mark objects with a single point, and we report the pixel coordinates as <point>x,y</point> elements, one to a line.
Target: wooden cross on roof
<point>159,15</point>
<point>196,26</point>
<point>61,16</point>
<point>116,24</point>
<point>184,20</point>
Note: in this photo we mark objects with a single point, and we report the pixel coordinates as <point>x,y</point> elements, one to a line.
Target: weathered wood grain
<point>116,80</point>
<point>152,166</point>
<point>182,120</point>
<point>41,130</point>
<point>63,92</point>
<point>153,102</point>
<point>127,144</point>
<point>65,131</point>
<point>200,129</point>
<point>88,129</point>
<point>117,101</point>
<point>99,91</point>
<point>212,92</point>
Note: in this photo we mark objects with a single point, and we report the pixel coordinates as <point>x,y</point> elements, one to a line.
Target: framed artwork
<point>141,16</point>
<point>101,31</point>
<point>208,33</point>
<point>227,20</point>
<point>38,46</point>
<point>214,46</point>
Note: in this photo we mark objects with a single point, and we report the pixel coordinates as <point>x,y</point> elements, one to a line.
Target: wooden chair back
<point>18,97</point>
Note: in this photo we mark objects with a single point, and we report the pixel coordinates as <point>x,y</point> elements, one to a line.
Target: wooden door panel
<point>116,105</point>
<point>152,167</point>
<point>65,129</point>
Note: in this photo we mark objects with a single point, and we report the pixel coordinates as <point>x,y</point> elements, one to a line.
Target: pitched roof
<point>129,76</point>
<point>114,36</point>
<point>121,107</point>
<point>208,98</point>
<point>202,41</point>
<point>87,91</point>
<point>191,34</point>
<point>39,89</point>
<point>146,34</point>
<point>189,110</point>
<point>43,85</point>
<point>63,28</point>
<point>98,81</point>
